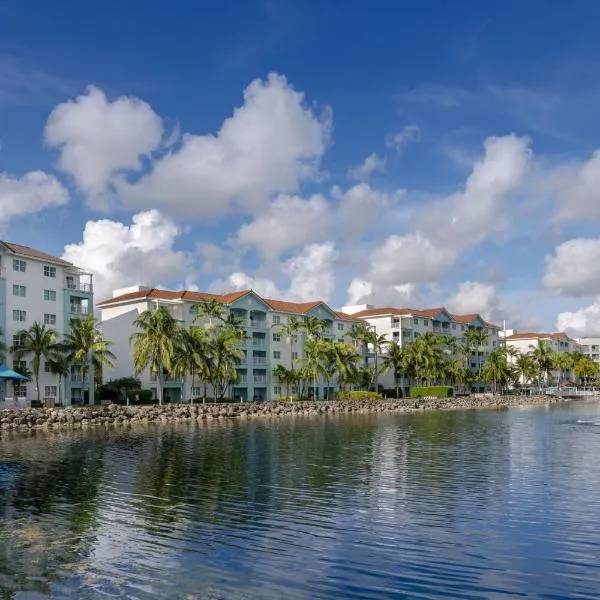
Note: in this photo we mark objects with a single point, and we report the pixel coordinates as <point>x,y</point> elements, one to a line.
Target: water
<point>449,505</point>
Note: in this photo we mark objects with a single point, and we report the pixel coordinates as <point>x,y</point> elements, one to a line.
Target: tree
<point>543,356</point>
<point>526,368</point>
<point>313,361</point>
<point>3,347</point>
<point>563,361</point>
<point>84,343</point>
<point>496,368</point>
<point>39,342</point>
<point>119,388</point>
<point>223,351</point>
<point>59,365</point>
<point>377,343</point>
<point>285,377</point>
<point>395,361</point>
<point>586,368</point>
<point>476,339</point>
<point>290,330</point>
<point>190,353</point>
<point>153,346</point>
<point>313,327</point>
<point>213,309</point>
<point>338,359</point>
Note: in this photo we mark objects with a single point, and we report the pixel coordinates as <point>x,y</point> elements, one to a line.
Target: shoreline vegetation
<point>28,419</point>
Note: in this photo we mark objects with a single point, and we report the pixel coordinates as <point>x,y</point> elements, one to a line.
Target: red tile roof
<point>298,308</point>
<point>33,253</point>
<point>527,335</point>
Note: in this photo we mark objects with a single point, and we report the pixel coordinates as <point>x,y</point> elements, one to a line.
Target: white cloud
<point>311,273</point>
<point>578,190</point>
<point>241,281</point>
<point>372,164</point>
<point>399,140</point>
<point>29,194</point>
<point>446,228</point>
<point>269,145</point>
<point>475,297</point>
<point>574,269</point>
<point>98,139</point>
<point>120,255</point>
<point>583,322</point>
<point>359,207</point>
<point>365,292</point>
<point>216,259</point>
<point>289,222</point>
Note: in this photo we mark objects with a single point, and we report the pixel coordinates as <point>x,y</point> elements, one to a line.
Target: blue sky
<point>405,153</point>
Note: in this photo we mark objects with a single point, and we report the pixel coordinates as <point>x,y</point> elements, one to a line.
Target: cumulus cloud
<point>239,280</point>
<point>446,228</point>
<point>582,322</point>
<point>121,255</point>
<point>399,140</point>
<point>578,190</point>
<point>366,292</point>
<point>98,139</point>
<point>574,268</point>
<point>31,193</point>
<point>359,207</point>
<point>269,145</point>
<point>372,164</point>
<point>289,222</point>
<point>475,297</point>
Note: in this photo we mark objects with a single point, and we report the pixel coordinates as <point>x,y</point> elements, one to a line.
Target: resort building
<point>35,286</point>
<point>560,342</point>
<point>404,325</point>
<point>590,346</point>
<point>265,347</point>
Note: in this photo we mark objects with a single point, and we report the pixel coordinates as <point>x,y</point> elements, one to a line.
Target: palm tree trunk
<point>36,372</point>
<point>159,391</point>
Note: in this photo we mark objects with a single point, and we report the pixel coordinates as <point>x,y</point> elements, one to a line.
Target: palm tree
<point>496,368</point>
<point>313,327</point>
<point>189,354</point>
<point>345,362</point>
<point>526,368</point>
<point>313,361</point>
<point>290,330</point>
<point>154,345</point>
<point>223,351</point>
<point>586,368</point>
<point>3,347</point>
<point>563,361</point>
<point>213,309</point>
<point>543,356</point>
<point>284,376</point>
<point>59,365</point>
<point>39,341</point>
<point>84,344</point>
<point>476,339</point>
<point>377,343</point>
<point>395,361</point>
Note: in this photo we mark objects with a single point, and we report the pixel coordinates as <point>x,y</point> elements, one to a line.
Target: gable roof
<point>33,253</point>
<point>299,308</point>
<point>527,335</point>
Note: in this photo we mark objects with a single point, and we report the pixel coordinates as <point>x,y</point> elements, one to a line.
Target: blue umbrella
<point>6,373</point>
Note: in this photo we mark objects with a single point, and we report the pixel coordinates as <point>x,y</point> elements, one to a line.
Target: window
<point>395,322</point>
<point>396,335</point>
<point>17,341</point>
<point>416,321</point>
<point>277,390</point>
<point>473,365</point>
<point>340,327</point>
<point>50,295</point>
<point>20,390</point>
<point>47,368</point>
<point>425,323</point>
<point>19,290</point>
<point>19,265</point>
<point>463,327</point>
<point>276,319</point>
<point>49,319</point>
<point>196,392</point>
<point>276,337</point>
<point>276,354</point>
<point>417,334</point>
<point>19,315</point>
<point>453,325</point>
<point>19,365</point>
<point>294,389</point>
<point>49,271</point>
<point>50,390</point>
<point>294,355</point>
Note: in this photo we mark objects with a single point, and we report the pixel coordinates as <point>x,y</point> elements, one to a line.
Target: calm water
<point>452,505</point>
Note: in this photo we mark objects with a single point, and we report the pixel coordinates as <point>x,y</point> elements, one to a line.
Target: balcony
<point>72,284</point>
<point>243,380</point>
<point>259,360</point>
<point>167,378</point>
<point>259,342</point>
<point>77,377</point>
<point>257,323</point>
<point>260,379</point>
<point>78,309</point>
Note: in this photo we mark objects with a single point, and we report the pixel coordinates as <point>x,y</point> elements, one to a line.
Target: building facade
<point>590,346</point>
<point>404,325</point>
<point>35,286</point>
<point>264,349</point>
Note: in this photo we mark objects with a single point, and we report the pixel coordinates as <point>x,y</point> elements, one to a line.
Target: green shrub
<point>359,396</point>
<point>434,391</point>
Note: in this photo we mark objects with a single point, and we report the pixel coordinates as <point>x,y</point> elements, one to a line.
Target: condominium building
<point>404,325</point>
<point>264,349</point>
<point>35,286</point>
<point>590,346</point>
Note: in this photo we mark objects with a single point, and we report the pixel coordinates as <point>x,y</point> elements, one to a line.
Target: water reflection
<point>459,505</point>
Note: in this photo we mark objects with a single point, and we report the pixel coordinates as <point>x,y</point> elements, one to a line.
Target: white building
<point>590,346</point>
<point>525,341</point>
<point>35,286</point>
<point>404,325</point>
<point>264,349</point>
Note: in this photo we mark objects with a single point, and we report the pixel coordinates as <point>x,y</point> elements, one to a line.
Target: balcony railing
<point>78,309</point>
<point>167,378</point>
<point>259,342</point>
<point>259,360</point>
<point>79,287</point>
<point>257,323</point>
<point>260,379</point>
<point>77,377</point>
<point>243,380</point>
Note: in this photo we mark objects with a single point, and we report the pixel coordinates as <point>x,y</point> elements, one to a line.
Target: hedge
<point>359,396</point>
<point>434,391</point>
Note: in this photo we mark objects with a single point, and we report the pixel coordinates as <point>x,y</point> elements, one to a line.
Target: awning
<point>6,373</point>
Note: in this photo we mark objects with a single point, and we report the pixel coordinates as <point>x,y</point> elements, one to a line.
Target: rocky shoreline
<point>95,416</point>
